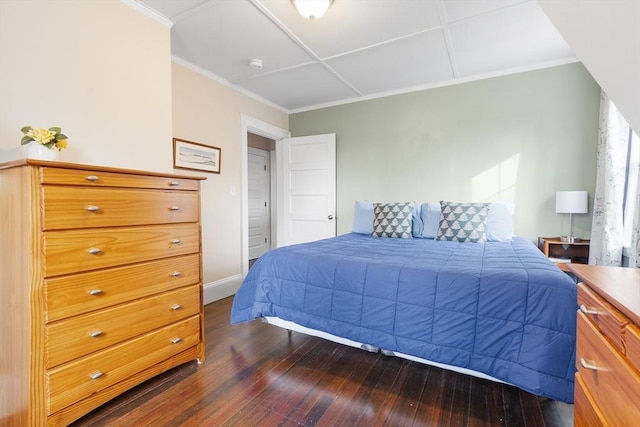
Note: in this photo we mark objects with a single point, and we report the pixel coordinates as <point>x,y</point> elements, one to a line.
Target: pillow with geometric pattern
<point>463,222</point>
<point>392,220</point>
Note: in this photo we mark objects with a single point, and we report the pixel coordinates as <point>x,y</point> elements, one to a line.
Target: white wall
<point>605,36</point>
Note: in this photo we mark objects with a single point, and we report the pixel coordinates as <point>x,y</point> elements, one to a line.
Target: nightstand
<point>564,253</point>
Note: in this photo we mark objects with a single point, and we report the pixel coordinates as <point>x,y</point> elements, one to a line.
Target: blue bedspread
<point>500,308</point>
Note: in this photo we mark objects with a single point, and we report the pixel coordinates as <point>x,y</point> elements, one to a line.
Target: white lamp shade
<point>312,9</point>
<point>571,202</point>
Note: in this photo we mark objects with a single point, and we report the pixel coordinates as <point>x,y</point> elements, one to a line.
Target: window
<point>631,187</point>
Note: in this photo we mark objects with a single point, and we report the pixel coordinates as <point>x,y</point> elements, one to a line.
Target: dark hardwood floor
<point>256,375</point>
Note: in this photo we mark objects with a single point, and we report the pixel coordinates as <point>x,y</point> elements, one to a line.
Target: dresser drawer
<point>71,251</point>
<point>632,345</point>
<point>82,207</point>
<point>83,377</point>
<point>586,413</point>
<point>77,336</point>
<point>67,296</point>
<point>114,179</point>
<point>604,316</point>
<point>612,382</point>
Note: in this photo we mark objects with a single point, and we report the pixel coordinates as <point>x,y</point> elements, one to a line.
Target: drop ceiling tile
<point>457,10</point>
<point>352,25</point>
<point>375,46</point>
<point>413,61</point>
<point>173,8</point>
<point>517,36</point>
<point>299,87</point>
<point>224,35</point>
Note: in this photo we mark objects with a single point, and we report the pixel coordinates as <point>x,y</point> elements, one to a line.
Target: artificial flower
<point>52,138</point>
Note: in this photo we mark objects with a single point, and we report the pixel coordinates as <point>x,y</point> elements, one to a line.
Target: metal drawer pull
<point>176,340</point>
<point>587,310</point>
<point>174,208</point>
<point>175,307</point>
<point>96,375</point>
<point>95,291</point>
<point>95,334</point>
<point>176,241</point>
<point>176,274</point>
<point>173,183</point>
<point>588,364</point>
<point>94,251</point>
<point>92,208</point>
<point>92,178</point>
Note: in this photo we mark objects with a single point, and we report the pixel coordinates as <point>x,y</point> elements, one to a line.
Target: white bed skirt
<point>292,326</point>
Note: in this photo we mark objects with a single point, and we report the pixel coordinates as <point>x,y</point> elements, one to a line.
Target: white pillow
<point>500,221</point>
<point>363,217</point>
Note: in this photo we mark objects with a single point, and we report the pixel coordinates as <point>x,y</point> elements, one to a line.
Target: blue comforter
<point>500,308</point>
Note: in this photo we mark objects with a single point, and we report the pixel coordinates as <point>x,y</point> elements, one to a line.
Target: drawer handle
<point>92,208</point>
<point>174,208</point>
<point>588,364</point>
<point>94,251</point>
<point>176,242</point>
<point>95,291</point>
<point>92,178</point>
<point>96,375</point>
<point>587,310</point>
<point>95,334</point>
<point>173,183</point>
<point>176,340</point>
<point>176,274</point>
<point>175,307</point>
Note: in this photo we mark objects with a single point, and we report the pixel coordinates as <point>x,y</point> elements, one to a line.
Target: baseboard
<point>222,288</point>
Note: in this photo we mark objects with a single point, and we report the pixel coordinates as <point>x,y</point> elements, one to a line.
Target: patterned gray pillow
<point>392,220</point>
<point>463,222</point>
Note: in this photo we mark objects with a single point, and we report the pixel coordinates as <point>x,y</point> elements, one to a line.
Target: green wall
<point>520,137</point>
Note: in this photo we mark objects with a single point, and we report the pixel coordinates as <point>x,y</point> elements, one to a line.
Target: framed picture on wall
<point>195,156</point>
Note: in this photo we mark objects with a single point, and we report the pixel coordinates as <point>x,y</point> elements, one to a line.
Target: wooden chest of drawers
<point>101,285</point>
<point>607,390</point>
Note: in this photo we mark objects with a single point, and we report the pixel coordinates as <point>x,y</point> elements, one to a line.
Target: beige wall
<point>102,71</point>
<point>98,69</point>
<point>208,112</point>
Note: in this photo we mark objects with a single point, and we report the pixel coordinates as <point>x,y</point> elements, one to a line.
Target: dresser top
<point>618,285</point>
<point>55,164</point>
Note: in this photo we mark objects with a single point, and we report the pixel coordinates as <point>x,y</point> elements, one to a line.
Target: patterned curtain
<point>607,227</point>
<point>634,250</point>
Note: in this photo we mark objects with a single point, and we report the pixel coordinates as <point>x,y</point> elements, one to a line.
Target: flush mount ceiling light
<point>312,9</point>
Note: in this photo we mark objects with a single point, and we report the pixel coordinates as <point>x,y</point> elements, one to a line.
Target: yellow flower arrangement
<point>51,138</point>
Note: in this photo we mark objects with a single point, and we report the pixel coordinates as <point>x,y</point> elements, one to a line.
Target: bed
<point>497,309</point>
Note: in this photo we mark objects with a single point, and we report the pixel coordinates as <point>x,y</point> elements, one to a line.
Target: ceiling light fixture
<point>312,9</point>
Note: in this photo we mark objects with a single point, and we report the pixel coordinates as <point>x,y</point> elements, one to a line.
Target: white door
<point>258,201</point>
<point>306,188</point>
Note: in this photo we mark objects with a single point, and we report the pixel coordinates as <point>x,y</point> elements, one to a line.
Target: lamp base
<point>570,239</point>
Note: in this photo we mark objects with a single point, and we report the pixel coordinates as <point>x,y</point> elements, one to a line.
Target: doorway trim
<point>249,124</point>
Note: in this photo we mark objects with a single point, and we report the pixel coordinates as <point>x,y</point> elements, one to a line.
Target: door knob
<point>330,216</point>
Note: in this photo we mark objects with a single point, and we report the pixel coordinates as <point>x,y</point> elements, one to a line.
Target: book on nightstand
<point>560,260</point>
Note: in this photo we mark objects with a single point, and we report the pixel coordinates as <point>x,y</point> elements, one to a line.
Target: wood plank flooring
<point>257,375</point>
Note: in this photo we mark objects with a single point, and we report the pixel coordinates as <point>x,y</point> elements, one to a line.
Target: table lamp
<point>571,202</point>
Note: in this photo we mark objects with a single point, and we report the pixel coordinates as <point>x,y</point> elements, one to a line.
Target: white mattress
<point>286,324</point>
